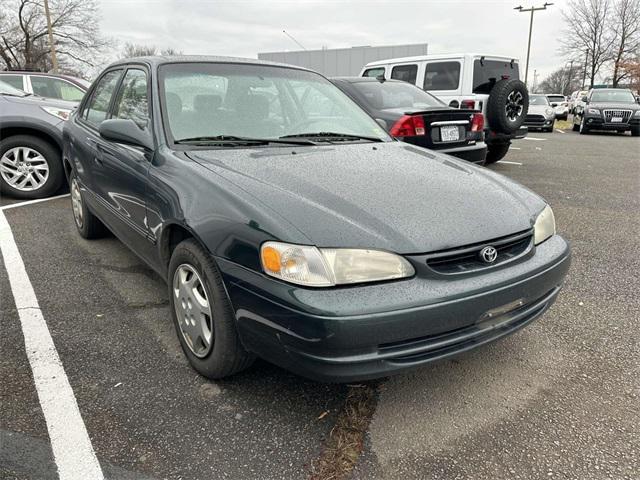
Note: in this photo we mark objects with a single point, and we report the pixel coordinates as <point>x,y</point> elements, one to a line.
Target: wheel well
<point>173,235</point>
<point>34,132</point>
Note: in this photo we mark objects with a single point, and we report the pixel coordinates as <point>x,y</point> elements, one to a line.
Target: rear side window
<point>13,80</point>
<point>132,102</point>
<point>98,106</point>
<point>406,73</point>
<point>55,88</point>
<point>374,72</point>
<point>442,76</point>
<point>488,72</point>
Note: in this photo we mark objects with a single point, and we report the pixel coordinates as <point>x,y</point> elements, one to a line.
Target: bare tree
<point>136,50</point>
<point>23,34</point>
<point>626,28</point>
<point>563,80</point>
<point>588,31</point>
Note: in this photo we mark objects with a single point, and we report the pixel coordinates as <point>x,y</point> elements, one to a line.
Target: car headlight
<point>545,225</point>
<point>62,113</point>
<point>549,111</point>
<point>637,113</point>
<point>595,111</point>
<point>326,267</point>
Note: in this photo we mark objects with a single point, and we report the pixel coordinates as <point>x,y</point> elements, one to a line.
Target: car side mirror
<point>554,104</point>
<point>584,99</point>
<point>127,132</point>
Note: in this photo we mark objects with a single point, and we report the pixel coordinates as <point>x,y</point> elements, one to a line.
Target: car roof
<point>442,56</point>
<point>157,60</point>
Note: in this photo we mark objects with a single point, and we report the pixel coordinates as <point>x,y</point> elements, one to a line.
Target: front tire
<point>635,132</point>
<point>584,130</point>
<point>496,152</point>
<point>30,167</point>
<point>202,313</point>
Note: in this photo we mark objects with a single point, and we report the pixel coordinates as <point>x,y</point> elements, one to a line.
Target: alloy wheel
<point>514,106</point>
<point>193,310</point>
<point>76,202</point>
<point>24,168</point>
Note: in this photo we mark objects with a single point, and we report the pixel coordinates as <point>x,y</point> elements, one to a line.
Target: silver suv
<point>487,83</point>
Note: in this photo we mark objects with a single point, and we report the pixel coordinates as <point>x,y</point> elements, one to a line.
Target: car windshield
<point>538,100</point>
<point>390,95</point>
<point>238,101</point>
<point>613,96</point>
<point>6,89</point>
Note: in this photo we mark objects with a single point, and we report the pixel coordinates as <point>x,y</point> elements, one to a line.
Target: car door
<point>121,170</point>
<point>83,133</point>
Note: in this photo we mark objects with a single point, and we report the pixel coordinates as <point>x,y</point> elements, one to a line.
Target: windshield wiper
<point>333,136</point>
<point>233,140</point>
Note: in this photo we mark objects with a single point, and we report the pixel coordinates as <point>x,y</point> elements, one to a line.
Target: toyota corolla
<point>288,225</point>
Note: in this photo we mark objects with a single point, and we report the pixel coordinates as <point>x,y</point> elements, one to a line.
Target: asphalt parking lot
<point>560,399</point>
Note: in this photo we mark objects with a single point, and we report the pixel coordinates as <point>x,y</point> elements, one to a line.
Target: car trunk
<point>444,129</point>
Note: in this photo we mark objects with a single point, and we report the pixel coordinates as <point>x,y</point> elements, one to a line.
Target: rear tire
<point>31,158</point>
<point>88,225</point>
<point>575,127</point>
<point>216,351</point>
<point>496,152</point>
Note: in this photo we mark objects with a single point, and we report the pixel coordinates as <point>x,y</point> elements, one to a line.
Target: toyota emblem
<point>488,254</point>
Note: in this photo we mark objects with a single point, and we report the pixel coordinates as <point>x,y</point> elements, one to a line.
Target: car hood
<point>539,109</point>
<point>615,106</point>
<point>389,196</point>
<point>41,101</point>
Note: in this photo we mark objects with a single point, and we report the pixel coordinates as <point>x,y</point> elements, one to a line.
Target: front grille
<point>534,120</point>
<point>623,114</point>
<point>467,259</point>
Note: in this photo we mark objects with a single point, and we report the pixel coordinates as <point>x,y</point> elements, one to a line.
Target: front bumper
<point>597,122</point>
<point>370,331</point>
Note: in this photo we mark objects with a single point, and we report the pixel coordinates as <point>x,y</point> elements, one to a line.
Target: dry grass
<point>564,124</point>
<point>345,442</point>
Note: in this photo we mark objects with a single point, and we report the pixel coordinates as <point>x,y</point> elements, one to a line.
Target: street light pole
<point>54,58</point>
<point>532,10</point>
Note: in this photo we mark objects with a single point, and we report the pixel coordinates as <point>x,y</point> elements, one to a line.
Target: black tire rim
<point>514,106</point>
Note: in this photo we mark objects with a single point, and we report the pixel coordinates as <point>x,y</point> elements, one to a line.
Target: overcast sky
<point>244,28</point>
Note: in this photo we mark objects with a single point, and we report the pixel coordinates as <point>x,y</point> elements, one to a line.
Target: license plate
<point>616,119</point>
<point>449,134</point>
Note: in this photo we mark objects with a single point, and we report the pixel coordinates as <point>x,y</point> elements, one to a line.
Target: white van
<point>487,83</point>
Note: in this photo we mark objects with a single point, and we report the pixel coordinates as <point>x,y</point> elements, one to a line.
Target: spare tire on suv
<point>507,106</point>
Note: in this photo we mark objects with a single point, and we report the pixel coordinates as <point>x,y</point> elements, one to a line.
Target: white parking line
<point>30,202</point>
<point>510,163</point>
<point>515,148</point>
<point>561,131</point>
<point>72,449</point>
<point>537,139</point>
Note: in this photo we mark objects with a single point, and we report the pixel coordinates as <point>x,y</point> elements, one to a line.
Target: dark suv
<point>613,109</point>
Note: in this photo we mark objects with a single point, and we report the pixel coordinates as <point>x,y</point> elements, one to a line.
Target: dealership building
<point>343,61</point>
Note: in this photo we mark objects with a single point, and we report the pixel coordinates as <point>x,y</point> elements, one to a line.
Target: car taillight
<point>477,122</point>
<point>408,126</point>
<point>468,104</point>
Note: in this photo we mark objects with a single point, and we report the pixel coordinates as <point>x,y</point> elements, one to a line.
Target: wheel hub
<point>193,310</point>
<point>24,168</point>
